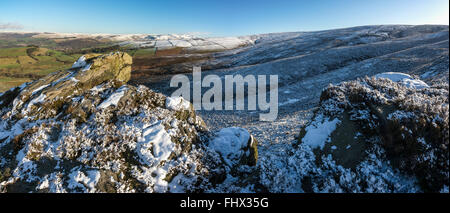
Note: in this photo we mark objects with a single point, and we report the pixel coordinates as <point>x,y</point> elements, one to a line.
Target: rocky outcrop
<point>46,96</point>
<point>376,132</point>
<point>86,130</point>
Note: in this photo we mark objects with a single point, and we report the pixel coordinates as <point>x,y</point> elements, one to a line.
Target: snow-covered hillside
<point>361,109</point>
<point>307,63</point>
<point>162,41</point>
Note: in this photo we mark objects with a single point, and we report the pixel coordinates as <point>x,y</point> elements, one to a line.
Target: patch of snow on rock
<point>86,67</point>
<point>39,89</point>
<point>37,100</point>
<point>81,180</point>
<point>230,142</point>
<point>177,103</point>
<point>155,143</point>
<point>404,79</point>
<point>81,62</point>
<point>114,98</point>
<point>318,133</point>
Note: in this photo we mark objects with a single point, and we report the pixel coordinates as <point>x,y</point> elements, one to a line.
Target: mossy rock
<point>57,88</point>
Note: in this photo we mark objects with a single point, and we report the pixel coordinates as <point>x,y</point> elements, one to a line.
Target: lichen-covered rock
<point>377,132</point>
<point>44,98</point>
<point>86,130</point>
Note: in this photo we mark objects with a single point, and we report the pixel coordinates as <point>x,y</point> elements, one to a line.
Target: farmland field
<point>23,64</point>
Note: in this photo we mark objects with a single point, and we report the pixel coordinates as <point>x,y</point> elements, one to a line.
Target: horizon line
<point>206,33</point>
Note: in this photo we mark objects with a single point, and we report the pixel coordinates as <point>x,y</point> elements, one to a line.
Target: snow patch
<point>81,62</point>
<point>155,144</point>
<point>39,89</point>
<point>98,88</point>
<point>177,104</point>
<point>318,132</point>
<point>114,98</point>
<point>74,79</point>
<point>230,142</point>
<point>86,67</point>
<point>37,100</point>
<point>404,79</point>
<point>79,179</point>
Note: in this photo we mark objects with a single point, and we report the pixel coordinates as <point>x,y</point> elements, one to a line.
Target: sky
<point>213,17</point>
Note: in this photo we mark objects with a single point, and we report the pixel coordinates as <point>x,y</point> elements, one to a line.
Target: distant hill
<point>59,49</point>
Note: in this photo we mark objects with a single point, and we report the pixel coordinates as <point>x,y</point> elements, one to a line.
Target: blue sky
<point>213,17</point>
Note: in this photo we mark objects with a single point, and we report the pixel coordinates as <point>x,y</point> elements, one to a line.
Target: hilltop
<point>362,109</point>
<point>85,130</point>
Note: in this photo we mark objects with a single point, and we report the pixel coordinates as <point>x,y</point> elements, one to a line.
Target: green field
<point>142,52</point>
<point>7,83</point>
<point>23,64</point>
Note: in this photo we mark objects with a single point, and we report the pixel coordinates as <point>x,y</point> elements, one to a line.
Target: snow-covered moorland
<point>361,109</point>
<point>307,63</point>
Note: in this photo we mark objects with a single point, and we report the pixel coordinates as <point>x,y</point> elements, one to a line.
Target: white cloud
<point>10,26</point>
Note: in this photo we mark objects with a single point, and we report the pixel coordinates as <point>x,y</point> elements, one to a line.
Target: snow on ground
<point>161,40</point>
<point>81,180</point>
<point>177,103</point>
<point>74,79</point>
<point>318,133</point>
<point>163,44</point>
<point>114,98</point>
<point>155,144</point>
<point>39,89</point>
<point>35,101</point>
<point>307,63</point>
<point>229,42</point>
<point>229,142</point>
<point>98,88</point>
<point>86,67</point>
<point>81,62</point>
<point>180,43</point>
<point>404,79</point>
